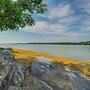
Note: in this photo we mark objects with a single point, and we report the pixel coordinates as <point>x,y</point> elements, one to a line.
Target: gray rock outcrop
<point>41,76</point>
<point>52,77</point>
<point>11,72</point>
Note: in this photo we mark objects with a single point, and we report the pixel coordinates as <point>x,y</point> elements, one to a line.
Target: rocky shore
<point>18,71</point>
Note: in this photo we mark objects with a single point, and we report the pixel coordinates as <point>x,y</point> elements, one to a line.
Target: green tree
<point>15,14</point>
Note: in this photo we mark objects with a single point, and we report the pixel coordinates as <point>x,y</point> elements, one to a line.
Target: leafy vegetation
<point>15,14</point>
<point>1,48</point>
<point>85,43</point>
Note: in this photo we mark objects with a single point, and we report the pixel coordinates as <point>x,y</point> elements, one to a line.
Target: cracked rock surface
<point>41,76</point>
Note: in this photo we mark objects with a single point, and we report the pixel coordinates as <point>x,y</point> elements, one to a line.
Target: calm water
<point>81,52</point>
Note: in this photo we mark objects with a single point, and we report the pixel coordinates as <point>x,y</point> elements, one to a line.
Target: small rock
<point>42,59</point>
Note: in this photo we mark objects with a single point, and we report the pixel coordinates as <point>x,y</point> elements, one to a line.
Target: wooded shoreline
<point>57,43</point>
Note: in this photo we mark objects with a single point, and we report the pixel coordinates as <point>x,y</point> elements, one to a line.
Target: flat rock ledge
<point>41,76</point>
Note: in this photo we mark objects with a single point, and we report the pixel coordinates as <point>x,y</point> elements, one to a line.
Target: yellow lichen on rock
<point>28,54</point>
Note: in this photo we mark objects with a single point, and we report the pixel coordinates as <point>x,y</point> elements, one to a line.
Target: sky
<point>65,20</point>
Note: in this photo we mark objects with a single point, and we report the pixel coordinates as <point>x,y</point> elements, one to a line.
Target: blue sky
<point>65,20</point>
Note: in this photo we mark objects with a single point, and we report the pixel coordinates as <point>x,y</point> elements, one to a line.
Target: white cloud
<point>84,5</point>
<point>69,20</point>
<point>87,8</point>
<point>14,0</point>
<point>60,11</point>
<point>85,29</point>
<point>46,28</point>
<point>39,27</point>
<point>85,24</point>
<point>61,20</point>
<point>60,26</point>
<point>42,15</point>
<point>51,29</point>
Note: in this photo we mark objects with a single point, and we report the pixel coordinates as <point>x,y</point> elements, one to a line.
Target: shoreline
<point>26,57</point>
<point>33,54</point>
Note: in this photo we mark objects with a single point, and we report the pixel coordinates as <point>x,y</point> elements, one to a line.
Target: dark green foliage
<point>64,43</point>
<point>1,48</point>
<point>18,14</point>
<point>85,43</point>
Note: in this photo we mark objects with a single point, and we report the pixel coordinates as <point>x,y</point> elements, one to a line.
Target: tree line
<point>64,43</point>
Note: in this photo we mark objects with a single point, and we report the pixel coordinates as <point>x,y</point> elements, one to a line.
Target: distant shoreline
<point>60,43</point>
<point>54,43</point>
<point>26,56</point>
<point>57,43</point>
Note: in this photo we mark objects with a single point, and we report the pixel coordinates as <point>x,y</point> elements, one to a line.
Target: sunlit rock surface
<point>52,77</point>
<point>39,76</point>
<point>11,72</point>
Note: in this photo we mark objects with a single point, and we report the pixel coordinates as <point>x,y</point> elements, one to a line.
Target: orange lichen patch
<point>87,63</point>
<point>85,69</point>
<point>24,53</point>
<point>24,56</point>
<point>24,61</point>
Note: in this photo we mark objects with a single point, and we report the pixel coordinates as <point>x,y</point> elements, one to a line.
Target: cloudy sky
<point>65,20</point>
